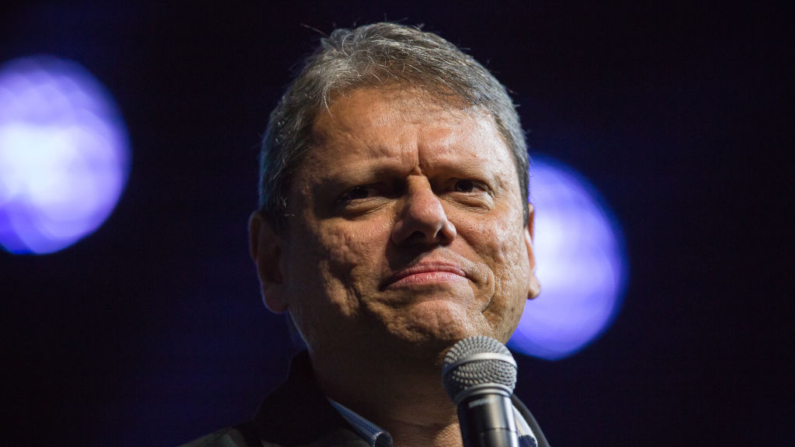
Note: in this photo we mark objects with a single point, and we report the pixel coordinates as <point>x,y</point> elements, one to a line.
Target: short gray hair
<point>373,55</point>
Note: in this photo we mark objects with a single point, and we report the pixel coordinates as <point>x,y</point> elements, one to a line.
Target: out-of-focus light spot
<point>64,154</point>
<point>580,262</point>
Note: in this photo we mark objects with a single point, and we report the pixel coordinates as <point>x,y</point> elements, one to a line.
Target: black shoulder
<point>227,437</point>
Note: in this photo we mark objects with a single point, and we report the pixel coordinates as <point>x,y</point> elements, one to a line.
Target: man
<point>393,223</point>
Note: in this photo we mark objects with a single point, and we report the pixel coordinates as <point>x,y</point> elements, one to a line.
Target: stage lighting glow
<point>64,154</point>
<point>581,265</point>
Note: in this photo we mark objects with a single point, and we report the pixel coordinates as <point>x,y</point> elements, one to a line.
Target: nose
<point>422,219</point>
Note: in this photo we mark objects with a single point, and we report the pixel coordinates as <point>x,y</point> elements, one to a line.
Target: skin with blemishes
<point>406,235</point>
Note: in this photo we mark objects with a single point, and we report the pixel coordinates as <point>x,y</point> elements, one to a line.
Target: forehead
<point>369,109</point>
<point>399,124</point>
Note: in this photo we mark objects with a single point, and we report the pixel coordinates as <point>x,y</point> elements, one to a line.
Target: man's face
<point>405,227</point>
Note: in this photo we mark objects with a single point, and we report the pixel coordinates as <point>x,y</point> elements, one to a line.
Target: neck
<point>404,398</point>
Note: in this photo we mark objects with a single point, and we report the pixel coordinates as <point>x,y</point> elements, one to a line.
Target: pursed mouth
<point>427,271</point>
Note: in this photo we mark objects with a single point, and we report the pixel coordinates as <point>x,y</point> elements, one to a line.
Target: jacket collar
<point>297,412</point>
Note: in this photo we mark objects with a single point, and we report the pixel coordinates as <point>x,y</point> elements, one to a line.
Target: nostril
<point>416,236</point>
<point>448,231</point>
<point>412,232</point>
<point>422,218</point>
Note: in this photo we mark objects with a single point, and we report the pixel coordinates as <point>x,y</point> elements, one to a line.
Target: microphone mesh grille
<point>477,372</point>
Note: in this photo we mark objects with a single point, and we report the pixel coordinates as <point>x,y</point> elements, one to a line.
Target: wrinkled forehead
<point>372,108</point>
<point>390,122</point>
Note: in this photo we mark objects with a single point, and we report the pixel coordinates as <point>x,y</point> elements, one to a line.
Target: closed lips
<point>426,268</point>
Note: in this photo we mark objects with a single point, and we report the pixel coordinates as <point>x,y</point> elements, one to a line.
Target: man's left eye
<point>465,185</point>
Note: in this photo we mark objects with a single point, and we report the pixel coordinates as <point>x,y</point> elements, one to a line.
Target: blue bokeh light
<point>581,264</point>
<point>64,154</point>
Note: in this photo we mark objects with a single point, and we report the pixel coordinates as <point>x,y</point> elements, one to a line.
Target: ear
<point>534,287</point>
<point>266,251</point>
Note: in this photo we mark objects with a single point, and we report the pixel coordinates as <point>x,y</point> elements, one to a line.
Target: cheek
<point>345,250</point>
<point>348,255</point>
<point>499,242</point>
<point>327,282</point>
<point>500,245</point>
<point>512,265</point>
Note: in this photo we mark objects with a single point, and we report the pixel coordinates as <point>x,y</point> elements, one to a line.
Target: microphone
<point>479,375</point>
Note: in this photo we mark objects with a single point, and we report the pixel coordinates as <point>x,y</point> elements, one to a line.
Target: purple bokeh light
<point>64,154</point>
<point>581,265</point>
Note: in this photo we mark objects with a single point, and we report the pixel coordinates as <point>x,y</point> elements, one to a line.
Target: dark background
<point>151,332</point>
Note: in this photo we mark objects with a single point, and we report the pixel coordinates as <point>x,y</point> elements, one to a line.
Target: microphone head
<point>477,360</point>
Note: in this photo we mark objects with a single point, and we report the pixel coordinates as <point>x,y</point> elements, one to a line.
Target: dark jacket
<point>298,414</point>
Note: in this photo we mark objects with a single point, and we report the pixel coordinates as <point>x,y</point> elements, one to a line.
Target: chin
<point>433,333</point>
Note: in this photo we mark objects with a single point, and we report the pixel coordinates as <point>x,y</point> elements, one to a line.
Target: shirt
<point>378,437</point>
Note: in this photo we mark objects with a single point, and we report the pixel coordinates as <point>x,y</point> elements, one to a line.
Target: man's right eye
<point>357,193</point>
